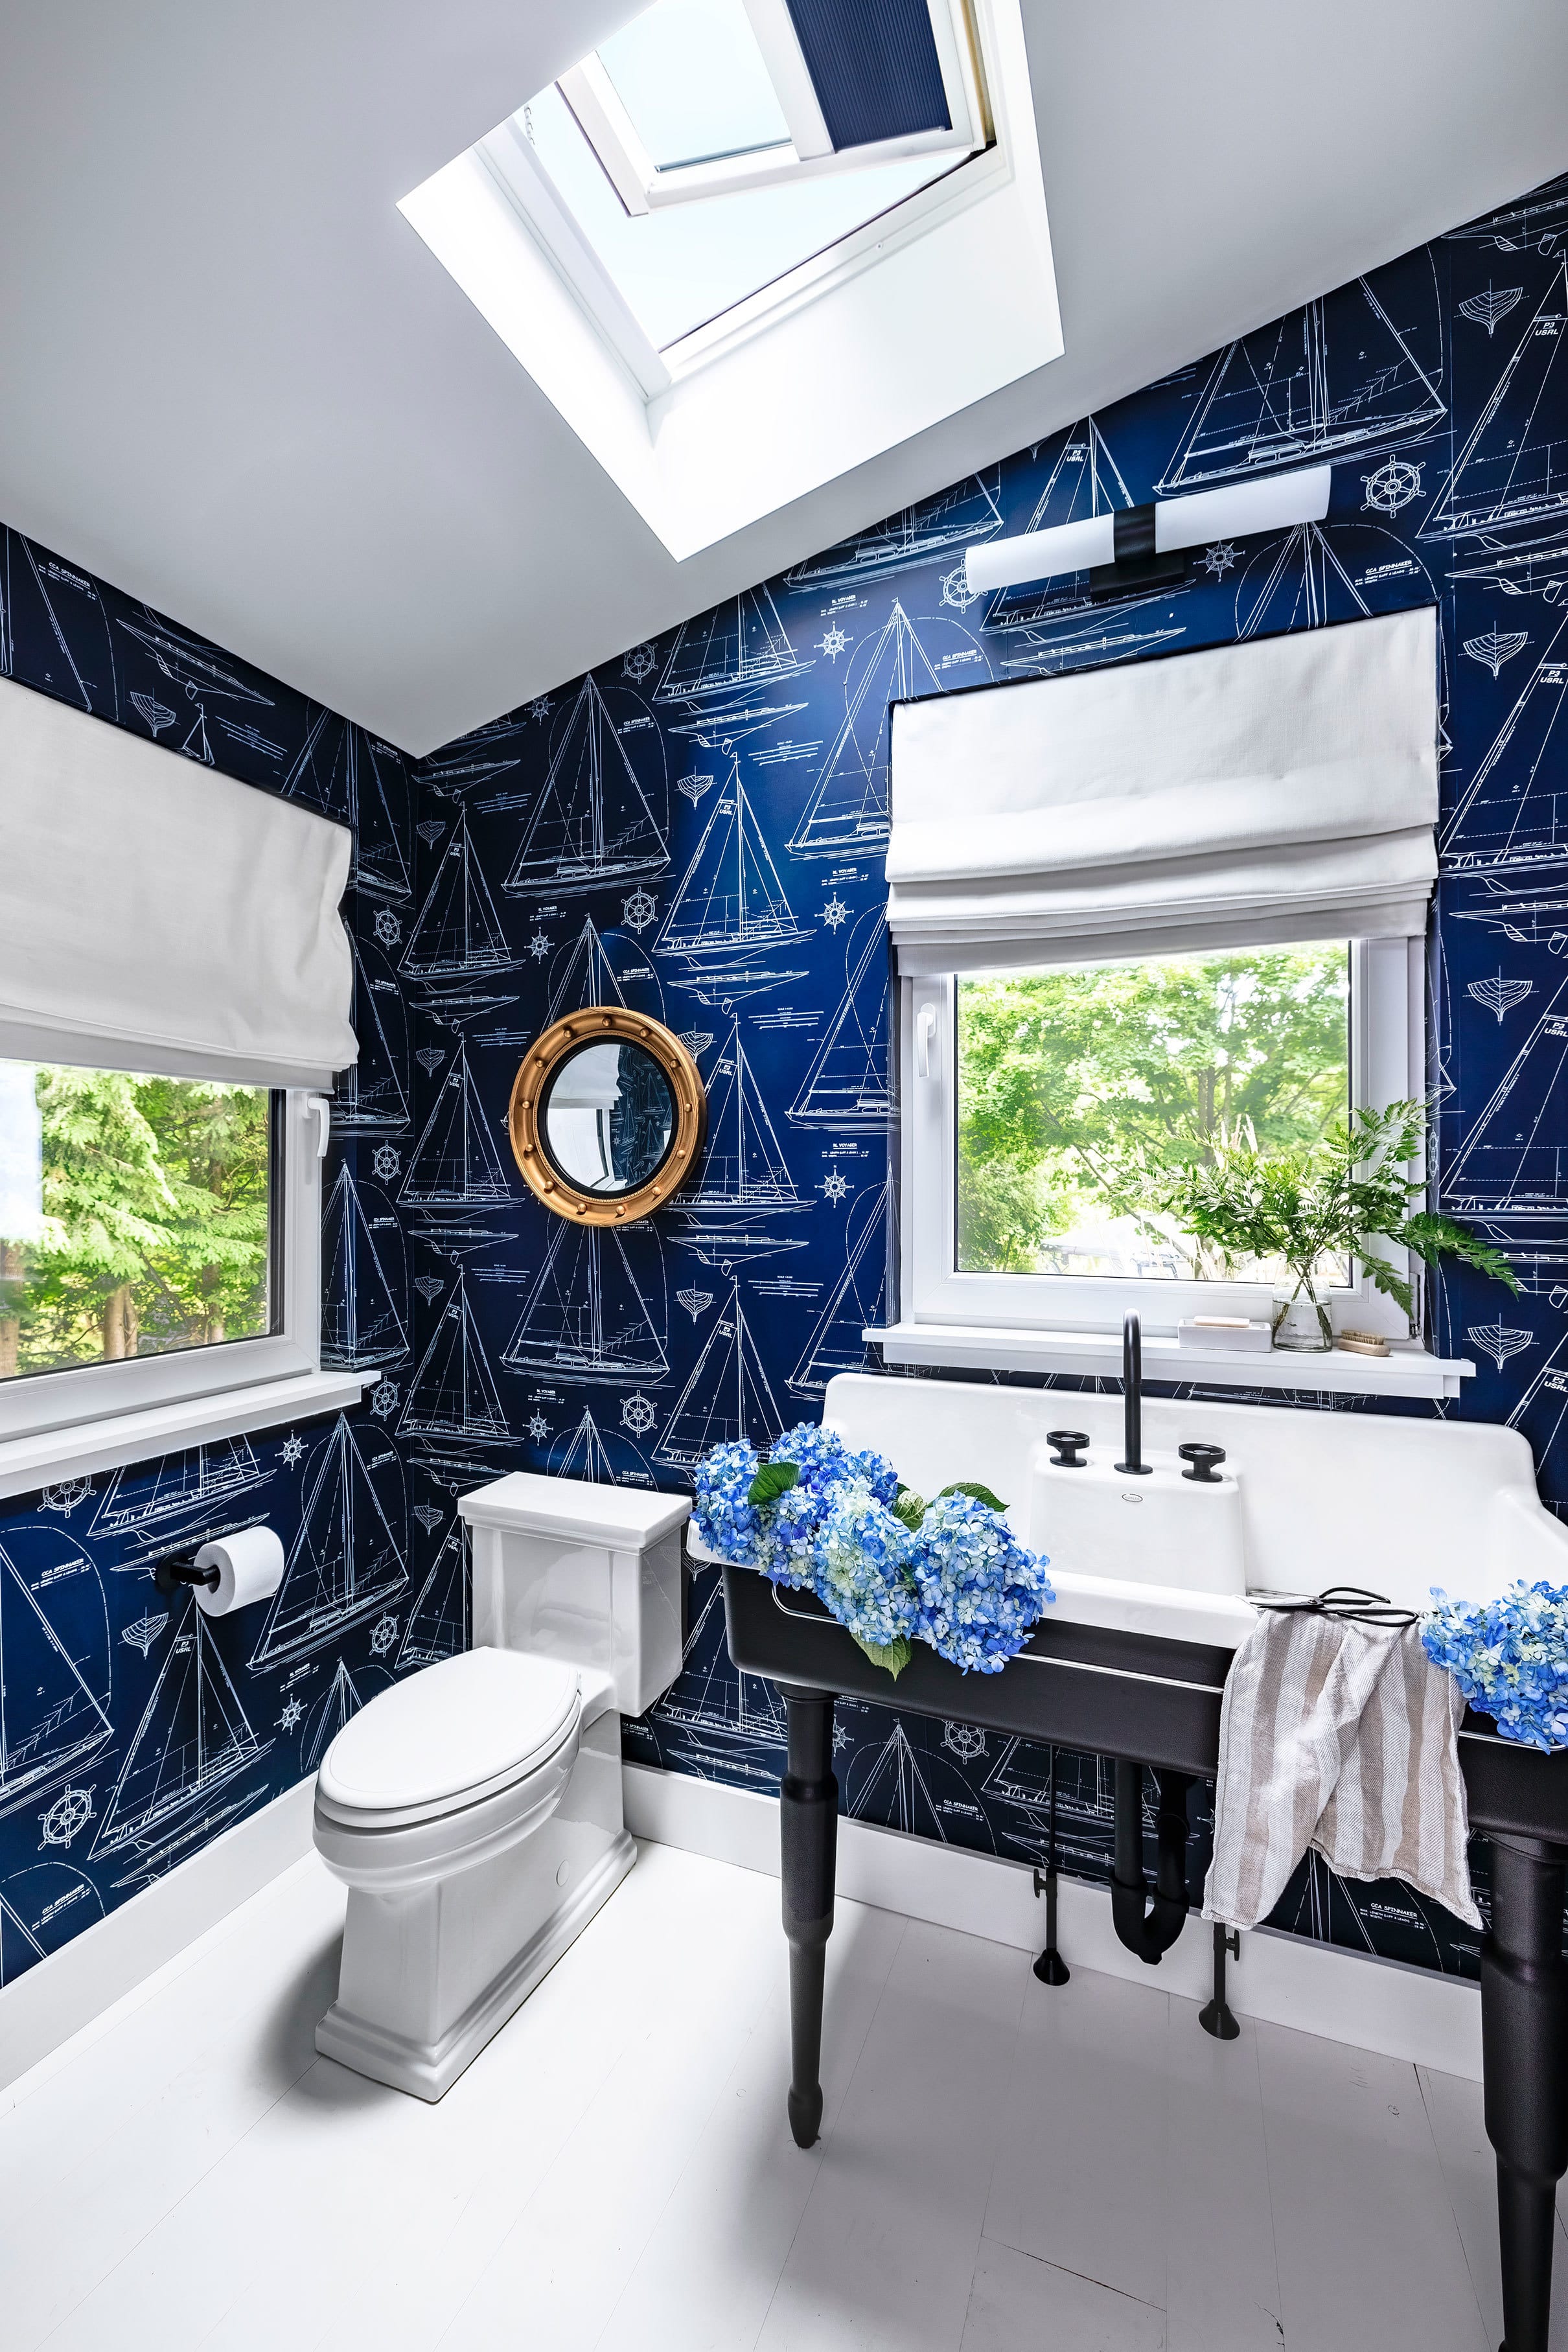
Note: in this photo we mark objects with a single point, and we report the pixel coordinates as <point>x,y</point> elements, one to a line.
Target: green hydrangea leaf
<point>892,1656</point>
<point>971,1487</point>
<point>774,1479</point>
<point>910,1509</point>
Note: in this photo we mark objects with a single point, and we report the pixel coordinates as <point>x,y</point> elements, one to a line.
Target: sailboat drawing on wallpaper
<point>731,903</point>
<point>743,1173</point>
<point>51,1718</point>
<point>194,1739</point>
<point>586,1455</point>
<point>1334,377</point>
<point>740,646</point>
<point>1542,1414</point>
<point>75,626</point>
<point>361,1322</point>
<point>1514,809</point>
<point>955,518</point>
<point>457,932</point>
<point>372,1096</point>
<point>847,809</point>
<point>456,1162</point>
<point>191,662</point>
<point>592,825</point>
<point>1514,1155</point>
<point>338,1704</point>
<point>1512,469</point>
<point>891,1785</point>
<point>848,1083</point>
<point>453,1393</point>
<point>585,978</point>
<point>174,1486</point>
<point>586,1316</point>
<point>733,1723</point>
<point>344,1561</point>
<point>338,770</point>
<point>1097,642</point>
<point>836,1344</point>
<point>1302,582</point>
<point>1084,481</point>
<point>438,1624</point>
<point>728,1395</point>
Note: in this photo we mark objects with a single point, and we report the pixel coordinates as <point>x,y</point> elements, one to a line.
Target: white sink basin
<point>1311,1499</point>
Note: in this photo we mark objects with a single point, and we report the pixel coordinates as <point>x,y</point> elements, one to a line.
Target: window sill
<point>1408,1371</point>
<point>49,1457</point>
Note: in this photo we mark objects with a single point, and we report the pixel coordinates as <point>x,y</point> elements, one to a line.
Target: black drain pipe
<point>1149,1926</point>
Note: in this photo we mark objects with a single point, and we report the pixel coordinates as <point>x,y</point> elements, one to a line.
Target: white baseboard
<point>112,1960</point>
<point>1381,2005</point>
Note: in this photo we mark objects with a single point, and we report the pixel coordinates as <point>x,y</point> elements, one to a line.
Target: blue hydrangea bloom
<point>963,1583</point>
<point>1509,1658</point>
<point>726,1522</point>
<point>981,1590</point>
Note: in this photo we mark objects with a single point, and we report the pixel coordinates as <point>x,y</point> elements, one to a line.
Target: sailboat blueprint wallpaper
<point>696,830</point>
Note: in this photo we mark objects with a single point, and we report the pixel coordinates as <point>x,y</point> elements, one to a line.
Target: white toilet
<point>474,1809</point>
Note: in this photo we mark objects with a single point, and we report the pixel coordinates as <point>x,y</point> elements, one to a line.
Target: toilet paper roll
<point>249,1566</point>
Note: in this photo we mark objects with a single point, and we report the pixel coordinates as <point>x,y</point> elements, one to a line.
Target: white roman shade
<point>1282,789</point>
<point>157,916</point>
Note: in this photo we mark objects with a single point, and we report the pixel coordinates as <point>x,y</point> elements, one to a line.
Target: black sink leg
<point>1215,2016</point>
<point>1524,2052</point>
<point>1050,1966</point>
<point>808,1837</point>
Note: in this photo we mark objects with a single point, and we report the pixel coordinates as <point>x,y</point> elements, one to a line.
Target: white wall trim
<point>1382,2005</point>
<point>109,1965</point>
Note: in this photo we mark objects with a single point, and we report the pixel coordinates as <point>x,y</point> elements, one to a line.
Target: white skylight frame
<point>643,186</point>
<point>926,312</point>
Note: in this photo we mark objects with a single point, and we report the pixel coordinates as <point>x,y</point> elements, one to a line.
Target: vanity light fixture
<point>1145,546</point>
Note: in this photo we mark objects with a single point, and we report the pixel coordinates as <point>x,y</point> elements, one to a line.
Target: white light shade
<point>1240,509</point>
<point>1036,554</point>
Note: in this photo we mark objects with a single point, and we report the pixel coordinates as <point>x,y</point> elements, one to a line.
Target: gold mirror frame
<point>538,1065</point>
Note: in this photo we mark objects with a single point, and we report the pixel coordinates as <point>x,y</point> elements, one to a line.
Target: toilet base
<point>428,2069</point>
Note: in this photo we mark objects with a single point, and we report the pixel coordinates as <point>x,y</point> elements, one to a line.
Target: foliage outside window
<point>135,1216</point>
<point>1063,1073</point>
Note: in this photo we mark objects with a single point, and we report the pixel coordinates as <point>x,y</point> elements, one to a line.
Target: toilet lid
<point>450,1734</point>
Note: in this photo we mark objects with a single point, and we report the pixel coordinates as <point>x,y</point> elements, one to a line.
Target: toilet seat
<point>449,1738</point>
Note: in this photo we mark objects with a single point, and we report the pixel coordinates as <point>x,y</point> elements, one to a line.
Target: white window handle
<point>928,1054</point>
<point>320,1110</point>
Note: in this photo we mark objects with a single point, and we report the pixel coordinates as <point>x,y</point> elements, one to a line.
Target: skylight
<point>694,83</point>
<point>745,244</point>
<point>679,267</point>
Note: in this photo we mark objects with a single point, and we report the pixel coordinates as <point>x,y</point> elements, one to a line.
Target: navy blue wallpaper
<point>133,1729</point>
<point>697,830</point>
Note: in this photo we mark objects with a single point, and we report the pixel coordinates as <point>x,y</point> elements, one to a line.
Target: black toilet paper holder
<point>171,1575</point>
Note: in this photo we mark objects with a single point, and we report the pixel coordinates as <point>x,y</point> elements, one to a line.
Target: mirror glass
<point>607,1117</point>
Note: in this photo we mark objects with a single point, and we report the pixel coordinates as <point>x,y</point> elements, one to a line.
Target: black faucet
<point>1134,1466</point>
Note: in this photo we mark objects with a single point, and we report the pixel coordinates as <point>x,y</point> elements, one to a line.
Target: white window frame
<point>1388,1052</point>
<point>643,186</point>
<point>38,1405</point>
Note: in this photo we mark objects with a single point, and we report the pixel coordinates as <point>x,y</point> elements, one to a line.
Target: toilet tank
<point>589,1574</point>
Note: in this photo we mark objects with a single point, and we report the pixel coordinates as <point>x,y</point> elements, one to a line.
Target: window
<point>1017,1086</point>
<point>157,1240</point>
<point>682,167</point>
<point>1058,1070</point>
<point>746,245</point>
<point>136,1216</point>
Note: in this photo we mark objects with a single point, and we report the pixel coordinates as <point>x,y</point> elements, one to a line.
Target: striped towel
<point>1343,1737</point>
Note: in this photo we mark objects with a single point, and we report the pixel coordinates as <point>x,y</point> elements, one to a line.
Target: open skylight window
<point>711,147</point>
<point>745,243</point>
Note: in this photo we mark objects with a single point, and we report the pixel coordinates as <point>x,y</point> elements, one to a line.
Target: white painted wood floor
<point>1003,2169</point>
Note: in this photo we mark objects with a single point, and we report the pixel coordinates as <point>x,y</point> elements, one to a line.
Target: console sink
<point>1306,1499</point>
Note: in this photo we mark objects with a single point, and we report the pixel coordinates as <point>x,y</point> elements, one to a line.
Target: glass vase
<point>1301,1321</point>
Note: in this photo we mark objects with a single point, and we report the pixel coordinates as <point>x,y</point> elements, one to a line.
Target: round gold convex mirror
<point>608,1115</point>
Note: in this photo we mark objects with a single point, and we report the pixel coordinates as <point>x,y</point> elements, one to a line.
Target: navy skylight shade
<point>874,65</point>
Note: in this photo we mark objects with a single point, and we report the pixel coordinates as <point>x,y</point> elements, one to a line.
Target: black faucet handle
<point>1070,1444</point>
<point>1206,1460</point>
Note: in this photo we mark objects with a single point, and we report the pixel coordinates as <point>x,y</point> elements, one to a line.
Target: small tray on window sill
<point>1406,1370</point>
